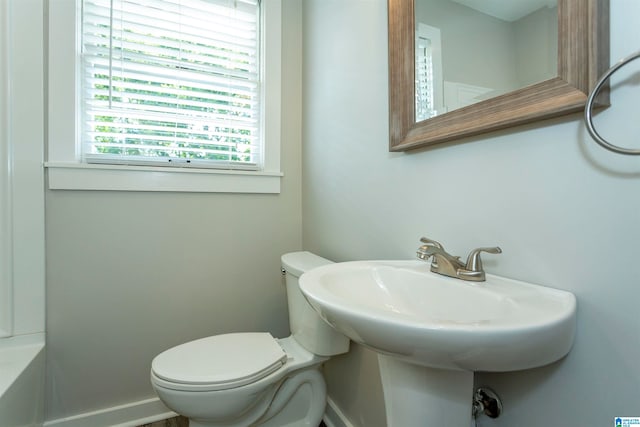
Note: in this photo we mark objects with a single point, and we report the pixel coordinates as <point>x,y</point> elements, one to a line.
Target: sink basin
<point>402,309</point>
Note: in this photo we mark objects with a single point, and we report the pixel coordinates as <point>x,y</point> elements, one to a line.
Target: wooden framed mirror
<point>582,56</point>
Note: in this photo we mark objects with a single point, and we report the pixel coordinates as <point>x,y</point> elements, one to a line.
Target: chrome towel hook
<point>592,96</point>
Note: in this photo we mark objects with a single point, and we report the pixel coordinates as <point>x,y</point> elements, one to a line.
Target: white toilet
<point>253,379</point>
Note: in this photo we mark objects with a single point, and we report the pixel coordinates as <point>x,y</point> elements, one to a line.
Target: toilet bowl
<point>251,378</point>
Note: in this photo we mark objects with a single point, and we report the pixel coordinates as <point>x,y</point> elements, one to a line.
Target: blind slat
<point>172,51</point>
<point>189,34</point>
<point>161,122</point>
<point>167,70</point>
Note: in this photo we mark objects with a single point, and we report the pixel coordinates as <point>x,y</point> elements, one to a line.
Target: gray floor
<point>171,422</point>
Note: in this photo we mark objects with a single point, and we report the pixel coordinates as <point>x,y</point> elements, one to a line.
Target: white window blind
<point>172,82</point>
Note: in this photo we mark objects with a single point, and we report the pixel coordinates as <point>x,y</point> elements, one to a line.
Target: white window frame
<point>67,171</point>
<point>6,220</point>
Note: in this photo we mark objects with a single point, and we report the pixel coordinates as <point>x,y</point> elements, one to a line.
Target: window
<point>171,81</point>
<point>424,79</point>
<point>429,102</point>
<point>160,83</point>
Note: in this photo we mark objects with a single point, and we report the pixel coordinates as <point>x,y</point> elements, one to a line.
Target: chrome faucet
<point>449,265</point>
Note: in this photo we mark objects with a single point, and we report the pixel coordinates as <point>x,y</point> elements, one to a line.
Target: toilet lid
<point>221,361</point>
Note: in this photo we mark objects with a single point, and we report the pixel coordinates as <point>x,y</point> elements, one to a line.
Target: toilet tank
<point>307,327</point>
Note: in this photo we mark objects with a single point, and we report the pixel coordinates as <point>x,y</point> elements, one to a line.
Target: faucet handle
<point>474,263</point>
<point>431,242</point>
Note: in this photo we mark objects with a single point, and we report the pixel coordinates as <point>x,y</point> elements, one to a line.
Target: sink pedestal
<point>419,396</point>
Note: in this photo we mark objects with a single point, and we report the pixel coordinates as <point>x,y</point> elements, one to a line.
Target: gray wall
<point>536,45</point>
<point>482,50</point>
<point>564,211</point>
<point>132,274</point>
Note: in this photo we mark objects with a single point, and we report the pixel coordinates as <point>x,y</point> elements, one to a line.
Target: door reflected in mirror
<point>467,51</point>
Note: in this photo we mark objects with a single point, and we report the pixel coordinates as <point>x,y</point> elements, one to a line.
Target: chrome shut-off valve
<point>487,402</point>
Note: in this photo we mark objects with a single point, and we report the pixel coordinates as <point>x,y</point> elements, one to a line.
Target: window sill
<point>81,176</point>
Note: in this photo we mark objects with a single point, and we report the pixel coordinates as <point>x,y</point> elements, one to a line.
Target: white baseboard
<point>151,410</point>
<point>333,416</point>
<point>129,415</point>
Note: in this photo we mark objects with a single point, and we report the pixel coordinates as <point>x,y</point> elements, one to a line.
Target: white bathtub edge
<point>22,360</point>
<point>16,354</point>
<point>35,339</point>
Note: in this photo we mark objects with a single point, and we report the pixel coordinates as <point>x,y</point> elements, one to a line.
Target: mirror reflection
<point>468,51</point>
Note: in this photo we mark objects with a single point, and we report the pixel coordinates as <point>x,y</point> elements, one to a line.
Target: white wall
<point>132,274</point>
<point>21,173</point>
<point>564,211</point>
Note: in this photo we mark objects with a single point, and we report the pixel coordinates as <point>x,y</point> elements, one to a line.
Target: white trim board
<point>334,417</point>
<point>151,410</point>
<point>128,415</point>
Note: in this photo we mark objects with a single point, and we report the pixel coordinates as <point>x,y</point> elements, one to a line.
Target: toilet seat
<point>218,362</point>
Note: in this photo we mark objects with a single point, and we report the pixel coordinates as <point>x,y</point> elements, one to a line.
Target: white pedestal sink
<point>432,332</point>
